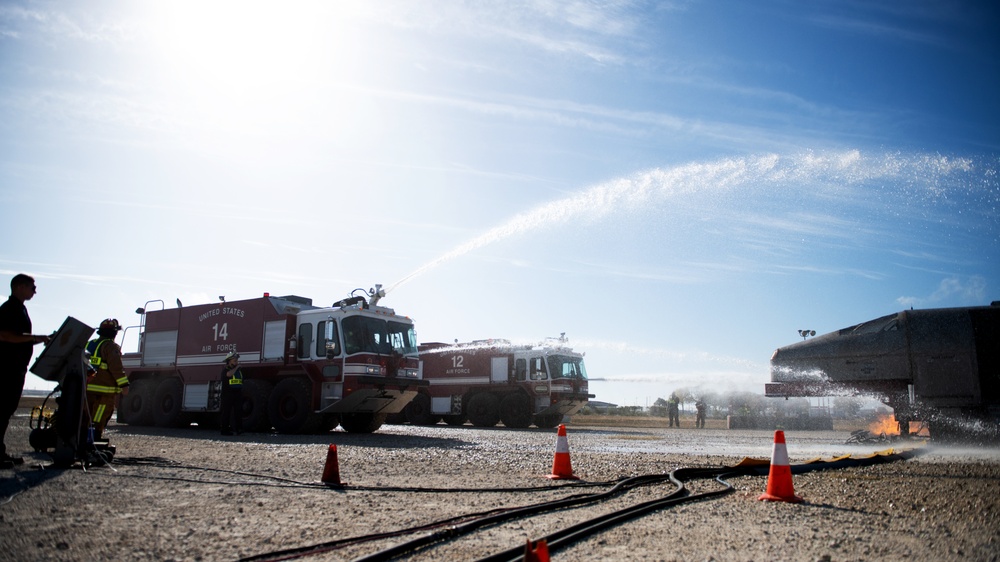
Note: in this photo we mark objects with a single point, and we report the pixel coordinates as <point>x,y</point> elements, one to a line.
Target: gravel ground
<point>190,494</point>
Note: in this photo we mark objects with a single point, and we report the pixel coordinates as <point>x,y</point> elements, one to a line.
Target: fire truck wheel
<point>549,421</point>
<point>136,406</point>
<point>515,410</point>
<point>483,410</point>
<point>290,407</point>
<point>255,396</point>
<point>362,423</point>
<point>167,403</point>
<point>418,411</point>
<point>456,420</point>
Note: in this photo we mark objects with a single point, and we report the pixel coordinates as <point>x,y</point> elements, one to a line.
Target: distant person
<point>16,344</point>
<point>700,407</point>
<point>108,379</point>
<point>673,409</point>
<point>231,409</point>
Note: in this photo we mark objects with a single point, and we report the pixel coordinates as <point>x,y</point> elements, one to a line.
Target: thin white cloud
<point>832,271</point>
<point>968,291</point>
<point>50,24</point>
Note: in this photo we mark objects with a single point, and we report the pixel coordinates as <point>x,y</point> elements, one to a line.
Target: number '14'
<point>221,332</point>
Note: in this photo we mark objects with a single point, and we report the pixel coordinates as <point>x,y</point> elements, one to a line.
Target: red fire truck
<point>490,381</point>
<point>306,368</point>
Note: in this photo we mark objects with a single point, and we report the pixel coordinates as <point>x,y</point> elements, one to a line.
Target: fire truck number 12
<point>456,361</point>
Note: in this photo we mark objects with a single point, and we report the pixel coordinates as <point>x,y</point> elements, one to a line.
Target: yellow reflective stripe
<point>122,381</point>
<point>235,380</point>
<point>102,389</point>
<point>99,413</point>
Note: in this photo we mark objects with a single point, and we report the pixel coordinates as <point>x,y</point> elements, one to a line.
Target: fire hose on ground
<point>454,528</point>
<point>442,531</point>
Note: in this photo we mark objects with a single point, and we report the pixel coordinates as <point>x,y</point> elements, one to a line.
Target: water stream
<point>893,180</point>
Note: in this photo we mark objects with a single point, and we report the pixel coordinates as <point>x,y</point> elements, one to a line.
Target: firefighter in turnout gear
<point>673,409</point>
<point>107,379</point>
<point>231,410</point>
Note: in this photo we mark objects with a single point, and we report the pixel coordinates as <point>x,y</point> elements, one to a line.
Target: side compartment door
<point>274,340</point>
<point>160,348</point>
<point>498,369</point>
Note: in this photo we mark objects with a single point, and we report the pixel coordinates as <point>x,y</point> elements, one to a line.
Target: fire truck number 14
<point>221,332</point>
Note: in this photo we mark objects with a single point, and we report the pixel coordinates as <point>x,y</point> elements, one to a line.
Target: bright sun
<point>225,64</point>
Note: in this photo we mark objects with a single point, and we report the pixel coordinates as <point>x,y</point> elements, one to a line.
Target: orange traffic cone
<point>779,479</point>
<point>562,468</point>
<point>537,552</point>
<point>331,472</point>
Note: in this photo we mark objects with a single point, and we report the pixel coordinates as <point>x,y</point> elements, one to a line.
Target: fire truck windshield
<point>566,367</point>
<point>363,334</point>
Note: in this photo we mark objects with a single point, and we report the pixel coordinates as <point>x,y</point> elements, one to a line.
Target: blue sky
<point>677,186</point>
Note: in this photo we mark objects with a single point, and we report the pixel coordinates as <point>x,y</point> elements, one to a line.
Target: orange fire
<point>889,426</point>
<point>884,424</point>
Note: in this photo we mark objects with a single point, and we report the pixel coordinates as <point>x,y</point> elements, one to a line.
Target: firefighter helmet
<point>110,324</point>
<point>231,355</point>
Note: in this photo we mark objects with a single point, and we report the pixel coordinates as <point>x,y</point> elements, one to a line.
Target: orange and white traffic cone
<point>536,552</point>
<point>779,478</point>
<point>331,472</point>
<point>562,468</point>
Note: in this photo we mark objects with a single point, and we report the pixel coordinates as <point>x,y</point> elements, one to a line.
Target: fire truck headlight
<point>372,370</point>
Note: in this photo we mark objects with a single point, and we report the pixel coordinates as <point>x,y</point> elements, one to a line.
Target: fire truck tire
<point>255,397</point>
<point>136,407</point>
<point>362,423</point>
<point>418,411</point>
<point>515,411</point>
<point>549,421</point>
<point>290,407</point>
<point>456,420</point>
<point>168,403</point>
<point>483,410</point>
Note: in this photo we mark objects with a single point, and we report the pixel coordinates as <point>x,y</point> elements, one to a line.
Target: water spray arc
<point>834,169</point>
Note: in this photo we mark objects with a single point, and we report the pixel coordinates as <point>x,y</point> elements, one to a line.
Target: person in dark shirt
<point>16,342</point>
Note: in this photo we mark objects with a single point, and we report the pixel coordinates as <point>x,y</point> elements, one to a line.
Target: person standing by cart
<point>16,342</point>
<point>231,410</point>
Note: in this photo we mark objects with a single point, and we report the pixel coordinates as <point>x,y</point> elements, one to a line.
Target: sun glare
<point>230,64</point>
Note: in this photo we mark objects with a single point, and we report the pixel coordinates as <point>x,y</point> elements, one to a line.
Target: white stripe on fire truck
<point>465,380</point>
<point>214,358</point>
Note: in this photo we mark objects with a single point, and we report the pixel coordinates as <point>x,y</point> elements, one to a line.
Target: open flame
<point>889,426</point>
<point>884,424</point>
